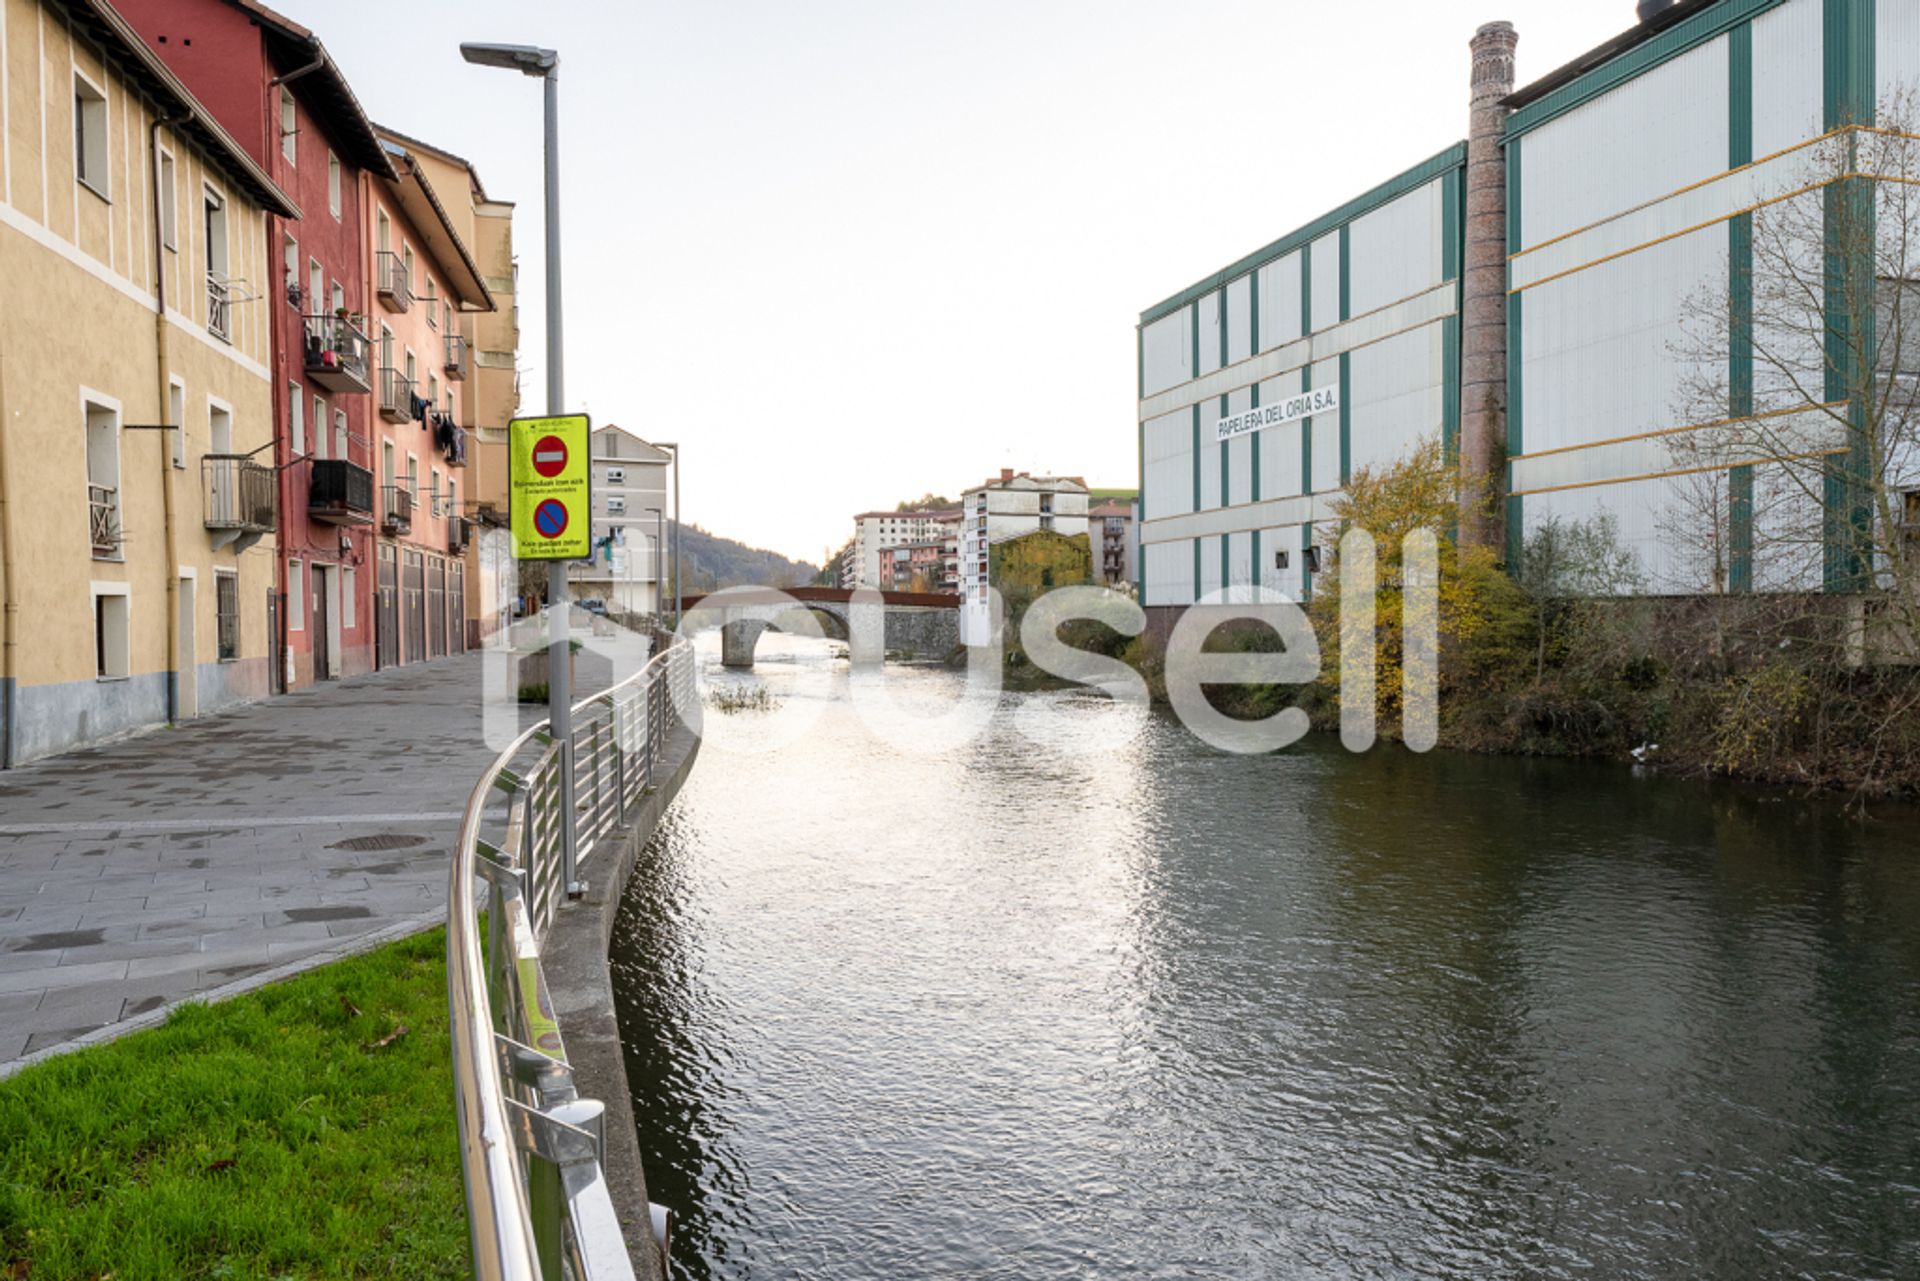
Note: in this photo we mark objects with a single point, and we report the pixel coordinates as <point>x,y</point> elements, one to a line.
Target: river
<point>1023,1012</point>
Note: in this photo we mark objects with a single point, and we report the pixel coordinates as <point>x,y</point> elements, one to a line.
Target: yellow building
<point>136,493</point>
<point>489,356</point>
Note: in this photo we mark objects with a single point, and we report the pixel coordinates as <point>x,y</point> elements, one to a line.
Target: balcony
<point>239,500</point>
<point>459,360</point>
<point>219,307</point>
<point>337,354</point>
<point>340,493</point>
<point>103,521</point>
<point>392,281</point>
<point>396,396</point>
<point>396,509</point>
<point>458,531</point>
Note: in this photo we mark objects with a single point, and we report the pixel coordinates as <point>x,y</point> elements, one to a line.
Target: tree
<point>928,502</point>
<point>1804,365</point>
<point>1565,567</point>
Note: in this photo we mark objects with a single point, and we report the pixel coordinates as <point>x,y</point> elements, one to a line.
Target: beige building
<point>484,356</point>
<point>136,544</point>
<point>631,525</point>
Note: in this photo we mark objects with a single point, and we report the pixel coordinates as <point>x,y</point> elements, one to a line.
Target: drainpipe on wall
<point>10,610</point>
<point>1483,296</point>
<point>163,355</point>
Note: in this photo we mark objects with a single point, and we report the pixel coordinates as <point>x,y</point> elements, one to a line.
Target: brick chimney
<point>1006,474</point>
<point>1483,301</point>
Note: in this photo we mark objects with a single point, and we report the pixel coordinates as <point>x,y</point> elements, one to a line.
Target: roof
<point>479,188</point>
<point>931,513</point>
<point>1033,482</point>
<point>664,456</point>
<point>423,208</point>
<point>1111,509</point>
<point>187,116</point>
<point>325,89</point>
<point>1637,35</point>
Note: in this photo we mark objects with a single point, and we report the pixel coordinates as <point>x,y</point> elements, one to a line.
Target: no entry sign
<point>551,488</point>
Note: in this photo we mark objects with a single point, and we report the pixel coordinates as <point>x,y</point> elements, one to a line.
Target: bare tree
<point>1804,369</point>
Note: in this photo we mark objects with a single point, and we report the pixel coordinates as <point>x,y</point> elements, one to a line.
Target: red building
<point>273,86</point>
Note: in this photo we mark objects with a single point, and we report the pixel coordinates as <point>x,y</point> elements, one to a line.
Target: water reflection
<point>1146,1011</point>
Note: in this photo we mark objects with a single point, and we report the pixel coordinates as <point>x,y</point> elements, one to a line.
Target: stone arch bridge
<point>876,625</point>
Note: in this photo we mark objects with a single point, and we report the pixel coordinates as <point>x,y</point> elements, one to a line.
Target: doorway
<point>322,630</point>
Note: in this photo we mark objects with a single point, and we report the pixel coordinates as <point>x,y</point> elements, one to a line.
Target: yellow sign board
<point>551,488</point>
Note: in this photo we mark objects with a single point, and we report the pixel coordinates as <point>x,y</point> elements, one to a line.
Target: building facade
<point>422,276</point>
<point>137,546</point>
<point>1524,299</point>
<point>631,523</point>
<point>876,534</point>
<point>278,91</point>
<point>1110,526</point>
<point>999,511</point>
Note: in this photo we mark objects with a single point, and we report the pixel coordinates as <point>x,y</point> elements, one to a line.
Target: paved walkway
<point>205,859</point>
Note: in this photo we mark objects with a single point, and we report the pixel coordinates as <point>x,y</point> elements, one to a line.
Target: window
<point>103,480</point>
<point>176,418</point>
<point>433,305</point>
<point>289,129</point>
<point>386,463</point>
<point>291,248</point>
<point>316,285</point>
<point>339,298</point>
<point>347,593</point>
<point>333,185</point>
<point>320,427</point>
<point>296,597</point>
<point>433,390</point>
<point>406,264</point>
<point>616,475</point>
<point>169,214</point>
<point>453,497</point>
<point>433,491</point>
<point>1313,560</point>
<point>1280,559</point>
<point>616,505</point>
<point>90,164</point>
<point>226,604</point>
<point>218,296</point>
<point>339,433</point>
<point>297,418</point>
<point>413,478</point>
<point>111,636</point>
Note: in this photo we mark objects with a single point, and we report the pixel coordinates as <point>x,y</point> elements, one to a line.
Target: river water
<point>1124,1010</point>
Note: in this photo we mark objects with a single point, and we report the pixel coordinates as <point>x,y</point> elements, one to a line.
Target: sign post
<point>550,500</point>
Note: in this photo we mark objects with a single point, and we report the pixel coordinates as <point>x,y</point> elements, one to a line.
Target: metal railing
<point>396,395</point>
<point>103,521</point>
<point>396,509</point>
<point>340,492</point>
<point>239,493</point>
<point>219,307</point>
<point>458,357</point>
<point>392,281</point>
<point>532,1151</point>
<point>337,351</point>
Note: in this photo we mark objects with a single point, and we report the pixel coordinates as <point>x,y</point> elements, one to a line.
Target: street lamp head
<point>524,58</point>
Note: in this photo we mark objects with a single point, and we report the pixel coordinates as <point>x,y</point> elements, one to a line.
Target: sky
<point>848,252</point>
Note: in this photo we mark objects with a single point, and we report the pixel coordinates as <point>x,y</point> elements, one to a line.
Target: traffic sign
<point>551,487</point>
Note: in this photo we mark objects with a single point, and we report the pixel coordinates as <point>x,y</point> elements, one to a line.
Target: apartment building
<point>1049,509</point>
<point>137,543</point>
<point>482,354</point>
<point>279,92</point>
<point>875,534</point>
<point>1110,529</point>
<point>421,275</point>
<point>631,523</point>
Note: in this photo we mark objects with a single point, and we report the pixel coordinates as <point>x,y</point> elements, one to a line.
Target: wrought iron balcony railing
<point>392,281</point>
<point>340,493</point>
<point>396,509</point>
<point>396,396</point>
<point>338,354</point>
<point>238,493</point>
<point>219,307</point>
<point>103,521</point>
<point>459,358</point>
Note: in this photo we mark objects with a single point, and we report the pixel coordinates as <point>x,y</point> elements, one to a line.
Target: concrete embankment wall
<point>574,957</point>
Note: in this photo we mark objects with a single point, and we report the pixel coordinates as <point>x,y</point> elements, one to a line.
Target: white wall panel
<point>1279,284</point>
<point>1326,281</point>
<point>1280,446</point>
<point>1240,564</point>
<point>1210,565</point>
<point>1209,454</point>
<point>1787,79</point>
<point>1326,432</point>
<point>1788,552</point>
<point>1169,573</point>
<point>1394,251</point>
<point>1396,389</point>
<point>1279,538</point>
<point>1209,333</point>
<point>1897,59</point>
<point>1646,139</point>
<point>1169,446</point>
<point>1166,351</point>
<point>1239,319</point>
<point>1646,513</point>
<point>1239,454</point>
<point>1600,347</point>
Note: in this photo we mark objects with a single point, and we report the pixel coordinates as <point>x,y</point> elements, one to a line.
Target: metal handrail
<point>531,1150</point>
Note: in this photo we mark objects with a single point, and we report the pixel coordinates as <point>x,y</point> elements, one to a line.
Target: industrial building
<point>1524,297</point>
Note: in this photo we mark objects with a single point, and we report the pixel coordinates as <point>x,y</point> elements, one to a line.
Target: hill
<point>710,562</point>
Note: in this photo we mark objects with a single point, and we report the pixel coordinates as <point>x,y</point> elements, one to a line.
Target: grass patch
<point>287,1133</point>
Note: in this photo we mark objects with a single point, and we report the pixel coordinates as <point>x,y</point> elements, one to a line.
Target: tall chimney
<point>1006,474</point>
<point>1483,301</point>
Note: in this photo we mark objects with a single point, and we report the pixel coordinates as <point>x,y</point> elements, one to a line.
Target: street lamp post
<point>545,65</point>
<point>659,545</point>
<point>678,591</point>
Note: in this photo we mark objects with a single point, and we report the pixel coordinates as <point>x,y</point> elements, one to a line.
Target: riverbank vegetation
<point>1567,655</point>
<point>302,1130</point>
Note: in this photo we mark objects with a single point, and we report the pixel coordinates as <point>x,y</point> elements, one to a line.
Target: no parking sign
<point>551,488</point>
